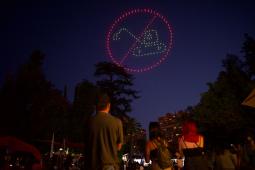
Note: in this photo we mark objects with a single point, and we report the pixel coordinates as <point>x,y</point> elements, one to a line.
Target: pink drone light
<point>154,15</point>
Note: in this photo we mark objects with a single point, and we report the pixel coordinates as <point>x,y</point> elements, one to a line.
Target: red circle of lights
<point>155,15</point>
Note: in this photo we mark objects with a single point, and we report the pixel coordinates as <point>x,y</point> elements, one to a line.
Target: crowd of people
<point>106,138</point>
<point>191,150</point>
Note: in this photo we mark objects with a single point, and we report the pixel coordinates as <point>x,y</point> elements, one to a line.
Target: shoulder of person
<point>164,142</point>
<point>150,144</point>
<point>116,119</point>
<point>201,137</point>
<point>181,138</point>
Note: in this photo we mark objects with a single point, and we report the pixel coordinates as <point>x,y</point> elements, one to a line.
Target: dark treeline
<point>220,114</point>
<point>32,108</point>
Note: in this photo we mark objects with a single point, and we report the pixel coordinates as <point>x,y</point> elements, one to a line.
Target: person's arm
<point>147,152</point>
<point>120,135</point>
<point>180,146</point>
<point>233,159</point>
<point>164,142</point>
<point>201,141</point>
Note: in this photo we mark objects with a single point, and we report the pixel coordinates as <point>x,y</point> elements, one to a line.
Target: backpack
<point>163,155</point>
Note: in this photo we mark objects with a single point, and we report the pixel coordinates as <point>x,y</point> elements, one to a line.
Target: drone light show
<point>139,40</point>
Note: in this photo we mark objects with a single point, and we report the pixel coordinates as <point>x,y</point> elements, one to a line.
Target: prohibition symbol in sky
<point>139,40</point>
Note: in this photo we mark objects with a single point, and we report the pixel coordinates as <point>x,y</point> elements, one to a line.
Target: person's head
<point>189,131</point>
<point>103,102</point>
<point>189,127</point>
<point>154,130</point>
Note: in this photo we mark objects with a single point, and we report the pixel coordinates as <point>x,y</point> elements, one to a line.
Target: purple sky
<point>72,35</point>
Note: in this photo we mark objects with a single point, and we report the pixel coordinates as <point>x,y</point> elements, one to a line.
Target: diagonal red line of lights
<point>140,36</point>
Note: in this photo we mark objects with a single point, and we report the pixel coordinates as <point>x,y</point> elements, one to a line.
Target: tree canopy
<point>32,107</point>
<point>219,111</point>
<point>118,84</point>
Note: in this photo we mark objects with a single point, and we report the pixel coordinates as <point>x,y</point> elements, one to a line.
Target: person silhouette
<point>191,145</point>
<point>105,137</point>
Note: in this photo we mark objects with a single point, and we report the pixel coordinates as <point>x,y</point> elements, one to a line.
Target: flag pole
<point>52,146</point>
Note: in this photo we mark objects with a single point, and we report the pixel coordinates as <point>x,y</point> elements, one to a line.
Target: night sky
<point>72,34</point>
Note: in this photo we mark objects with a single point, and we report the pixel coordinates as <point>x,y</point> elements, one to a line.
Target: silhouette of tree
<point>219,111</point>
<point>7,96</point>
<point>35,106</point>
<point>118,83</point>
<point>83,107</point>
<point>249,54</point>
